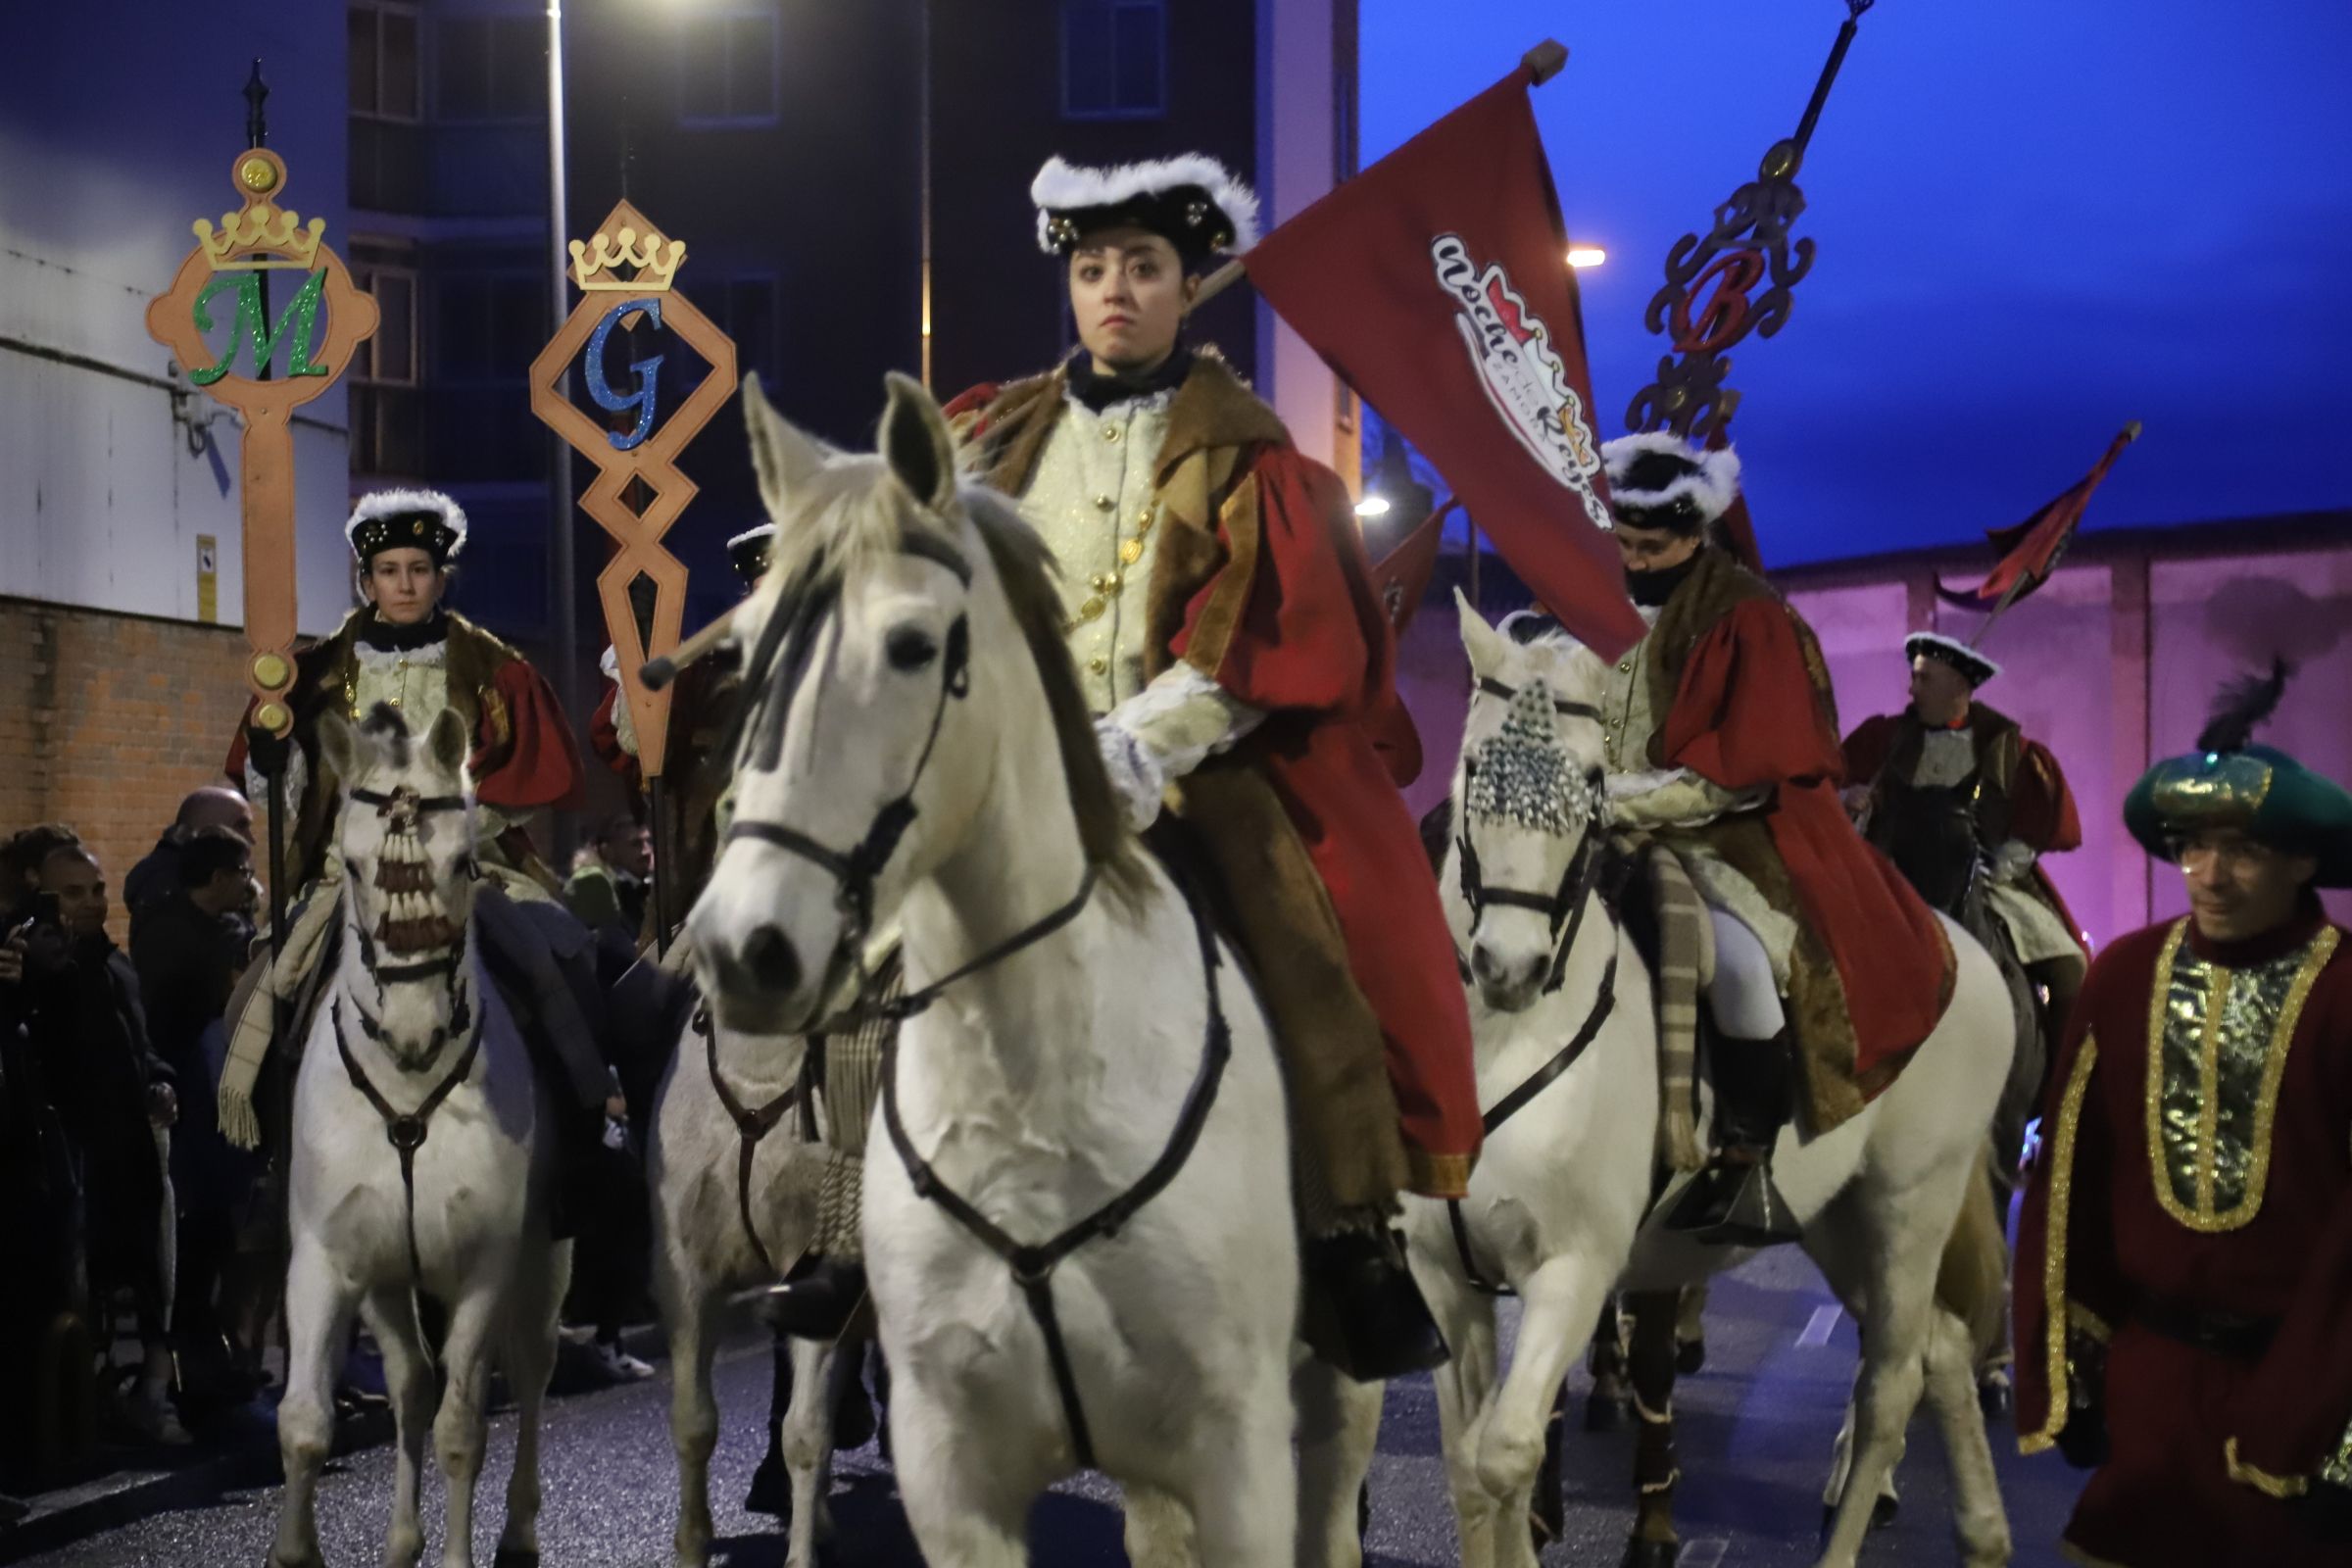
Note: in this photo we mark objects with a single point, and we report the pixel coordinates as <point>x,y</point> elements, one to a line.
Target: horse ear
<point>917,444</point>
<point>338,744</point>
<point>448,743</point>
<point>782,456</point>
<point>1489,651</point>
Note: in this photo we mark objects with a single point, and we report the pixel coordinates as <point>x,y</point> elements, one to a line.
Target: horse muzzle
<point>1507,982</point>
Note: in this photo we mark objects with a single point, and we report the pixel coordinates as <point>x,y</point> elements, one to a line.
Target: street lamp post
<point>560,589</point>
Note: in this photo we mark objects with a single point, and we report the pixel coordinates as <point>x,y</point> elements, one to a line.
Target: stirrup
<point>1735,1205</point>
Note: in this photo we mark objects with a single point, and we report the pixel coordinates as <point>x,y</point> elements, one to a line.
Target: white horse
<point>1558,1205</point>
<point>919,753</point>
<point>422,1160</point>
<point>720,1227</point>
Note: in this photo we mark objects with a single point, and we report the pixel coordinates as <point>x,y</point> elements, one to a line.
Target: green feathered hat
<point>2230,782</point>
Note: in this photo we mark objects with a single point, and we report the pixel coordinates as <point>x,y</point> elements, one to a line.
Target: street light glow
<point>1584,255</point>
<point>1372,506</point>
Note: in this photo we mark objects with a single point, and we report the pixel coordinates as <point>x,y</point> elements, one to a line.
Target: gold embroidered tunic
<point>2189,1222</point>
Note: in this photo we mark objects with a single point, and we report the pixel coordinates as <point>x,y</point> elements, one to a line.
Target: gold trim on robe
<point>2217,1040</point>
<point>2059,1314</point>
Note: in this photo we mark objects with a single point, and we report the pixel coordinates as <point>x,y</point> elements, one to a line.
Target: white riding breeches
<point>1743,997</point>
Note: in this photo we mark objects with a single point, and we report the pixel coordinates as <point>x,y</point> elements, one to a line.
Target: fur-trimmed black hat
<point>1974,667</point>
<point>414,520</point>
<point>1194,202</point>
<point>749,552</point>
<point>1658,479</point>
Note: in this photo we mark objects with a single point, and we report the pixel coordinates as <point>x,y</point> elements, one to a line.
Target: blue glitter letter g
<point>642,400</point>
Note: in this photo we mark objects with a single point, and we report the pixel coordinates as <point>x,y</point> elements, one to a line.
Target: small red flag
<point>2033,549</point>
<point>1402,576</point>
<point>1437,284</point>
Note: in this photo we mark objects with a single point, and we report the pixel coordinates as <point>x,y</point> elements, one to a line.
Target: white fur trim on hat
<point>1713,487</point>
<point>766,531</point>
<point>1953,652</point>
<point>1062,186</point>
<point>393,502</point>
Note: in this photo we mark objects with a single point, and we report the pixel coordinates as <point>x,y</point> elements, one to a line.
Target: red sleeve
<point>972,399</point>
<point>2296,1408</point>
<point>527,757</point>
<point>2041,808</point>
<point>1293,607</point>
<point>604,738</point>
<point>1868,748</point>
<point>1745,713</point>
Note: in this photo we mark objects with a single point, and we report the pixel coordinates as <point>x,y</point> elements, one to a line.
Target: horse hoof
<point>1689,1356</point>
<point>1652,1553</point>
<point>1883,1512</point>
<point>1609,1415</point>
<point>514,1557</point>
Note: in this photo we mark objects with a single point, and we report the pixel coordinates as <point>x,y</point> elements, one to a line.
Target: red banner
<point>2031,549</point>
<point>1437,284</point>
<point>1402,576</point>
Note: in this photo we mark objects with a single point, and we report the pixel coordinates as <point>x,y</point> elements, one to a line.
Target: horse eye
<point>911,648</point>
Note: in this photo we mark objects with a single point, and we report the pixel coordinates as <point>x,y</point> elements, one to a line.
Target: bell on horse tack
<point>1734,1202</point>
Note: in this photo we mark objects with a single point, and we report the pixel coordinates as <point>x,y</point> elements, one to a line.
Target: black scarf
<point>380,634</point>
<point>1650,589</point>
<point>1098,391</point>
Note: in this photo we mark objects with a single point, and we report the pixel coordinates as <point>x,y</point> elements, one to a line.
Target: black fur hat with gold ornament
<point>409,519</point>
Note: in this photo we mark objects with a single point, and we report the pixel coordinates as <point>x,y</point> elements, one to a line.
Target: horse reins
<point>1033,1266</point>
<point>753,1124</point>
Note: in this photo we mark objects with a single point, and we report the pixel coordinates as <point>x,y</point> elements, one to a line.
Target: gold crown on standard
<point>264,236</point>
<point>656,257</point>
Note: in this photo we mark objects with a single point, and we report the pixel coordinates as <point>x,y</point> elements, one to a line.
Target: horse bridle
<point>1563,906</point>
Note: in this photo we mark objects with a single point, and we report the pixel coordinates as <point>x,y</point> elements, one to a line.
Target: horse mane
<point>853,513</point>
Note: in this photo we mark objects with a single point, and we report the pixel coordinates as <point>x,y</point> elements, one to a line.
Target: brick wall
<point>105,721</point>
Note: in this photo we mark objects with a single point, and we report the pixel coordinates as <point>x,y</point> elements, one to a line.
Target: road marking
<point>1819,1327</point>
<point>1707,1553</point>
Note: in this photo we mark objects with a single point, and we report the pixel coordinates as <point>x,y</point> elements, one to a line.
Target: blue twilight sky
<point>2038,219</point>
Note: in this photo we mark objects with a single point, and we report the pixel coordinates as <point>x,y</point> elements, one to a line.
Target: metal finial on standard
<point>257,117</point>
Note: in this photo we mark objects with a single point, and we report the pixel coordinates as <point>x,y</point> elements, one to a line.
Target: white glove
<point>1134,772</point>
<point>2011,862</point>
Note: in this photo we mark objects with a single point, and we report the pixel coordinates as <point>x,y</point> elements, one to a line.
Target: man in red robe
<point>2185,1263</point>
<point>1222,619</point>
<point>1722,747</point>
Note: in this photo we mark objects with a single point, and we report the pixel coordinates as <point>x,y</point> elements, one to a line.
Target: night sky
<point>2038,219</point>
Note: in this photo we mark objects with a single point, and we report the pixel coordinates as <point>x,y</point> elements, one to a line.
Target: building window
<point>391,354</point>
<point>387,157</point>
<point>1115,59</point>
<point>731,66</point>
<point>486,329</point>
<point>746,313</point>
<point>490,68</point>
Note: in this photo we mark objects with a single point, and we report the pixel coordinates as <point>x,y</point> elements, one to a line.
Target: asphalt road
<point>1754,1433</point>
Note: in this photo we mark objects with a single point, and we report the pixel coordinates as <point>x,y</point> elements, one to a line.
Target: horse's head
<point>903,620</point>
<point>1529,809</point>
<point>406,837</point>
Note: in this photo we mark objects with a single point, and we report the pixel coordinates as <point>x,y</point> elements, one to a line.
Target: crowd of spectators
<point>129,1305</point>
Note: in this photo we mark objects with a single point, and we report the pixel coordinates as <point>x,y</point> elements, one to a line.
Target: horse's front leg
<point>529,1336</point>
<point>1243,1491</point>
<point>391,1314</point>
<point>460,1430</point>
<point>1338,1428</point>
<point>966,1502</point>
<point>319,1304</point>
<point>1464,1384</point>
<point>686,1310</point>
<point>1561,1301</point>
<point>806,1439</point>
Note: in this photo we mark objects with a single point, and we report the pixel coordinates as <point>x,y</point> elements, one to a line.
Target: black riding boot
<point>1365,1314</point>
<point>817,1298</point>
<point>1734,1202</point>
